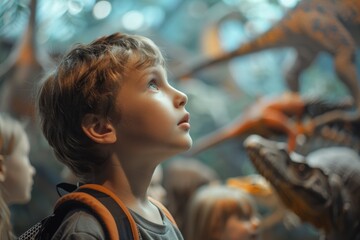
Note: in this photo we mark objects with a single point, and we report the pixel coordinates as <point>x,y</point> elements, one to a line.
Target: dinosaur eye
<point>302,170</point>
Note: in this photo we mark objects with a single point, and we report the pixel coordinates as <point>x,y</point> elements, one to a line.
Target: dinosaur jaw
<point>272,161</point>
<point>267,158</point>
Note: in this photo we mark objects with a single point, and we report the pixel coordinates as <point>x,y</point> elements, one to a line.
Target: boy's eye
<point>153,85</point>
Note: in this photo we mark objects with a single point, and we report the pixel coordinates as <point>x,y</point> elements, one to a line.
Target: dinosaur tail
<point>277,36</point>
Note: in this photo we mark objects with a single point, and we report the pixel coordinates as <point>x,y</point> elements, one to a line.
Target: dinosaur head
<point>302,188</point>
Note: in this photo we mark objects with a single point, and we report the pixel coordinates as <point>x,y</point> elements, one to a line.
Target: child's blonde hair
<point>87,81</point>
<point>210,208</point>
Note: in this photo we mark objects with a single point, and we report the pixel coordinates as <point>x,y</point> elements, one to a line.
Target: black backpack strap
<point>65,188</point>
<point>110,211</point>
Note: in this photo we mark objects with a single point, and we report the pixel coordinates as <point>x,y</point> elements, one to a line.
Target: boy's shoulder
<point>92,211</point>
<point>89,203</point>
<point>82,224</point>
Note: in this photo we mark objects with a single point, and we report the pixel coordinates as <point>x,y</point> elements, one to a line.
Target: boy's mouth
<point>184,122</point>
<point>185,119</point>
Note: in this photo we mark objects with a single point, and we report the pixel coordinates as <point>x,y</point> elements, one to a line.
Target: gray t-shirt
<point>149,230</point>
<point>82,225</point>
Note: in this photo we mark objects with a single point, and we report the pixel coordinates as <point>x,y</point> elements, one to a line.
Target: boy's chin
<point>185,146</point>
<point>189,144</point>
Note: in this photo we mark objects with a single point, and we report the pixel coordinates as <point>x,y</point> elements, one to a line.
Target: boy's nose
<point>181,98</point>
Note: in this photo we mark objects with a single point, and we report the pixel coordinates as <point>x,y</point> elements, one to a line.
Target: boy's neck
<point>129,181</point>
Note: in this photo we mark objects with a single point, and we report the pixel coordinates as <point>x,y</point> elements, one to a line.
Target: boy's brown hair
<point>87,81</point>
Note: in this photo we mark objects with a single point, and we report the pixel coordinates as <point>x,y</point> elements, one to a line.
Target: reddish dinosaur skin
<point>266,117</point>
<point>290,115</point>
<point>313,26</point>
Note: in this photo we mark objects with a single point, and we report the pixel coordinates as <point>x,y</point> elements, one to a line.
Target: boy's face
<point>153,119</point>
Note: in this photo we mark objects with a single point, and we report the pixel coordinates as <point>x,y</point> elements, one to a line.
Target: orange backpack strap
<point>84,200</point>
<point>164,210</point>
<point>111,212</point>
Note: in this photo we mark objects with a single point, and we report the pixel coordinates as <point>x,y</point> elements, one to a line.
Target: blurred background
<point>186,30</point>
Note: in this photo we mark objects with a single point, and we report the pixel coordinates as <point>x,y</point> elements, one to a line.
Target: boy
<point>111,116</point>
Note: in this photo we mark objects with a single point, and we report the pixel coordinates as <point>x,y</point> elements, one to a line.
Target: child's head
<point>85,88</point>
<point>220,212</point>
<point>16,172</point>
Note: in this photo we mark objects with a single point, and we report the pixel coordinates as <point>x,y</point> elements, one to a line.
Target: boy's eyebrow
<point>148,71</point>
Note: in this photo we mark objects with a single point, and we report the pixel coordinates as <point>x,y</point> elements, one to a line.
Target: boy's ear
<point>2,168</point>
<point>98,129</point>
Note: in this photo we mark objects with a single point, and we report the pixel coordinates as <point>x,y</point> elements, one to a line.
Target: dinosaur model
<point>313,26</point>
<point>20,72</point>
<point>288,114</point>
<point>322,188</point>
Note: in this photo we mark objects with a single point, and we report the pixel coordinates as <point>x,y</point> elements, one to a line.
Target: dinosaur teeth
<point>336,137</point>
<point>329,137</point>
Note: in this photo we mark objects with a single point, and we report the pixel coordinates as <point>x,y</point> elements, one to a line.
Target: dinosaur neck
<point>27,46</point>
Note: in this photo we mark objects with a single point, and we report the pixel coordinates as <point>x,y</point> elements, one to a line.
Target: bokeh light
<point>102,9</point>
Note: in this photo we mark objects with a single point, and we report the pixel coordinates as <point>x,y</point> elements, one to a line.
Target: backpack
<point>114,217</point>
